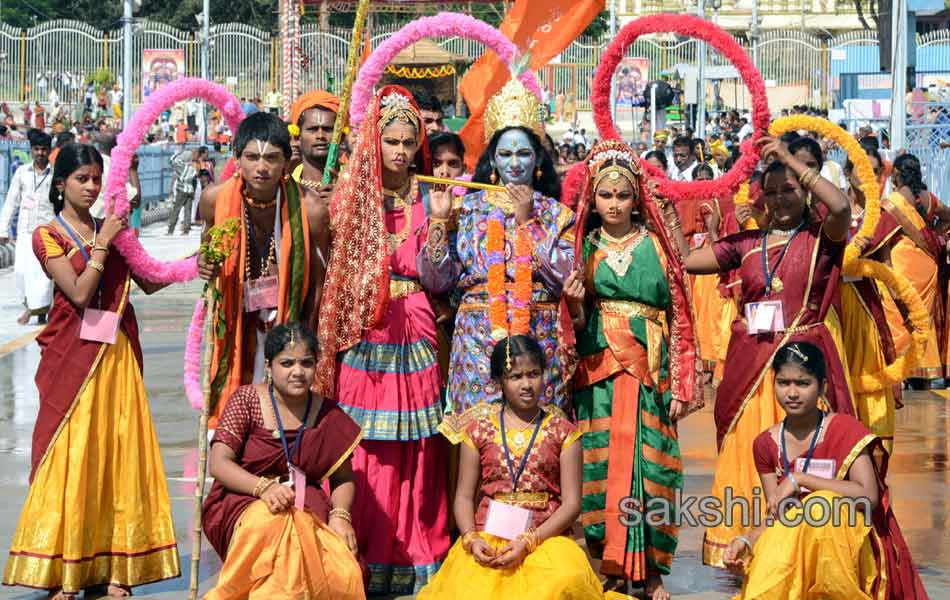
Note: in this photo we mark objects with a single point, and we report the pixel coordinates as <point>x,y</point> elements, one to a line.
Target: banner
<point>630,82</point>
<point>159,67</point>
<point>544,30</point>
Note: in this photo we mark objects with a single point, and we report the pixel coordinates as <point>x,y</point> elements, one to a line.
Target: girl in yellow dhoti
<point>97,513</point>
<point>823,465</point>
<point>914,256</point>
<point>267,515</point>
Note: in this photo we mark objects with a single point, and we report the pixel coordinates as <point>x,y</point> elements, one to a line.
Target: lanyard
<point>36,186</point>
<point>770,275</point>
<point>75,236</point>
<point>811,448</point>
<point>288,452</point>
<point>524,459</point>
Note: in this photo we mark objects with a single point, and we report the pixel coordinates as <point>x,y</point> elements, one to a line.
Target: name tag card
<point>765,317</point>
<point>299,479</point>
<point>819,467</point>
<point>261,293</point>
<point>506,520</point>
<point>99,326</point>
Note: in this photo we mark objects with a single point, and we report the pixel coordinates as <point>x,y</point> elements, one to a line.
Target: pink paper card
<point>99,325</point>
<point>299,479</point>
<point>261,293</point>
<point>765,317</point>
<point>29,201</point>
<point>819,467</point>
<point>506,520</point>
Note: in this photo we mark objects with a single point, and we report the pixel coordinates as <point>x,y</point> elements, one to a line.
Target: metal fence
<point>62,54</point>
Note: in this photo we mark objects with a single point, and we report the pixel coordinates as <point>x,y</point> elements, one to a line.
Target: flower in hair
<point>293,130</point>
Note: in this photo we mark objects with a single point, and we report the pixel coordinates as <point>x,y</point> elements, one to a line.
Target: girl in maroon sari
<point>787,293</point>
<point>267,515</point>
<point>829,466</point>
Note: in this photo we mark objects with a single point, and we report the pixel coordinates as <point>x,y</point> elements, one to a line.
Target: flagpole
<point>352,64</point>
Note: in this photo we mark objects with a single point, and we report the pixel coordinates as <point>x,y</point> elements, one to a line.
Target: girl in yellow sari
<point>522,462</point>
<point>915,256</point>
<point>834,536</point>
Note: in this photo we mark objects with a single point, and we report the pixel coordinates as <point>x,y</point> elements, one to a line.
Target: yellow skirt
<point>558,568</point>
<point>288,555</point>
<point>97,511</point>
<point>735,465</point>
<point>865,355</point>
<point>920,269</point>
<point>805,561</point>
<point>724,326</point>
<point>709,307</point>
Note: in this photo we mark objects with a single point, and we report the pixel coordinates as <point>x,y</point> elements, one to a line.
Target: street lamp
<point>204,20</point>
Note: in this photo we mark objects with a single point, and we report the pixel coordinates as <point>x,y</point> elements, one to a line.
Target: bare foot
<point>60,595</point>
<point>654,587</point>
<point>118,591</point>
<point>24,318</point>
<point>615,584</point>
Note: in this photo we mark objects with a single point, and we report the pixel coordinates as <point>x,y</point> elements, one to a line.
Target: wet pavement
<point>919,475</point>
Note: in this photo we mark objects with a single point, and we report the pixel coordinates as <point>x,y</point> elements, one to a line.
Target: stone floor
<point>919,475</point>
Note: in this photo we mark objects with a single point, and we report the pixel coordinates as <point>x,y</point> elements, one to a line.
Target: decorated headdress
<point>356,291</point>
<point>513,106</point>
<point>613,158</point>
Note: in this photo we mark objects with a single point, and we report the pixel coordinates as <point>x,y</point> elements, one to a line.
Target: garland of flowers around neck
<point>497,293</point>
<point>855,266</point>
<point>726,185</point>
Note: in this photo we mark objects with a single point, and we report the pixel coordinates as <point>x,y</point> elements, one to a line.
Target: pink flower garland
<point>116,199</point>
<point>695,27</point>
<point>443,24</point>
<point>193,356</point>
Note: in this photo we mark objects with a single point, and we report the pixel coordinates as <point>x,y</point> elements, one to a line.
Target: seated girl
<point>267,515</point>
<point>848,550</point>
<point>524,462</point>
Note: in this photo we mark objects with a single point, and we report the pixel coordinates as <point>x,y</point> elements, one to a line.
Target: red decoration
<point>728,184</point>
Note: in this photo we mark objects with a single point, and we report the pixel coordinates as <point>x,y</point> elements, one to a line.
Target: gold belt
<point>400,288</point>
<point>630,309</point>
<point>525,499</point>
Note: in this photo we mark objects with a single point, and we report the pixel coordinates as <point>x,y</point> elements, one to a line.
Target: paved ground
<point>920,479</point>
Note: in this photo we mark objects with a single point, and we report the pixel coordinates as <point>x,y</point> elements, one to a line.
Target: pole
<point>899,72</point>
<point>755,33</point>
<point>652,112</point>
<point>205,56</point>
<point>701,92</point>
<point>126,62</point>
<point>613,86</point>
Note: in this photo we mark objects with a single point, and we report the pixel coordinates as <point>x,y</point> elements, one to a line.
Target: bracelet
<point>794,481</point>
<point>103,248</point>
<point>468,538</point>
<point>809,178</point>
<point>434,220</point>
<point>531,539</point>
<point>94,264</point>
<point>262,484</point>
<point>342,513</point>
<point>744,540</point>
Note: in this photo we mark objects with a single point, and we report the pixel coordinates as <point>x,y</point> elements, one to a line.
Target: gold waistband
<point>400,288</point>
<point>631,308</point>
<point>525,499</point>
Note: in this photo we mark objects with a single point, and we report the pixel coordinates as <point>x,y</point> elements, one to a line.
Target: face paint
<point>262,147</point>
<point>515,158</point>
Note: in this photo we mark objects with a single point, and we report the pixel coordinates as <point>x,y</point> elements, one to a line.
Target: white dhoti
<point>32,284</point>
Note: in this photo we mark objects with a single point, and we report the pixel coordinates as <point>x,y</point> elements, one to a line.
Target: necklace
<point>310,184</point>
<point>519,440</point>
<point>395,240</point>
<point>81,236</point>
<point>619,251</point>
<point>251,247</point>
<point>785,233</point>
<point>255,204</point>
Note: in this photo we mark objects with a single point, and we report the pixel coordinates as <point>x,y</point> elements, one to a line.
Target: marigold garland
<point>855,266</point>
<point>521,313</point>
<point>406,72</point>
<point>497,288</point>
<point>742,197</point>
<point>497,301</point>
<point>724,186</point>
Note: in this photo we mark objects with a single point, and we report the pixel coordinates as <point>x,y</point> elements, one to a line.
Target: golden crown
<point>513,106</point>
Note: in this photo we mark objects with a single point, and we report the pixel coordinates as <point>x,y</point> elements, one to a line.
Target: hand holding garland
<point>522,202</point>
<point>574,295</point>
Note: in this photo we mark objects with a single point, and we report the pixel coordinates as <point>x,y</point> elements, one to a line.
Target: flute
<point>460,182</point>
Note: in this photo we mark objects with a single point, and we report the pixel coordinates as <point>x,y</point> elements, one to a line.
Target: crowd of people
<point>424,387</point>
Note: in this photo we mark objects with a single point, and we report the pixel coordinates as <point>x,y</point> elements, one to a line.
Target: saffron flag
<point>542,28</point>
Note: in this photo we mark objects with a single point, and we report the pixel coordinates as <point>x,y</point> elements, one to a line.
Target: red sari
<point>886,568</point>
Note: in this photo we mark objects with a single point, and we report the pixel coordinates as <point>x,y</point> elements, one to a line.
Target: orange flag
<point>544,29</point>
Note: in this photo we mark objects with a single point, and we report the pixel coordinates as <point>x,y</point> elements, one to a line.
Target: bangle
<point>439,220</point>
<point>531,539</point>
<point>262,484</point>
<point>794,481</point>
<point>809,178</point>
<point>744,540</point>
<point>96,265</point>
<point>342,513</point>
<point>468,538</point>
<point>103,248</point>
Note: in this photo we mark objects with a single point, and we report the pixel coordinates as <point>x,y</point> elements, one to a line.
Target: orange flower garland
<point>521,314</point>
<point>855,266</point>
<point>497,288</point>
<point>497,301</point>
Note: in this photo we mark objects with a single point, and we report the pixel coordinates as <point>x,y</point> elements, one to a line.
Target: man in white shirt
<point>28,197</point>
<point>684,160</point>
<point>745,131</point>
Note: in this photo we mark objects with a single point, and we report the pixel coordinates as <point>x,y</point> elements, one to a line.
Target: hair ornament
<point>396,107</point>
<point>794,349</point>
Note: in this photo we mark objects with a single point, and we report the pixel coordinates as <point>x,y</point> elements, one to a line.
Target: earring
<point>493,177</point>
<point>537,173</point>
<point>267,378</point>
<point>236,174</point>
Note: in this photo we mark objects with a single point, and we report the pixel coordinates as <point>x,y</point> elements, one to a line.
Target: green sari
<point>622,399</point>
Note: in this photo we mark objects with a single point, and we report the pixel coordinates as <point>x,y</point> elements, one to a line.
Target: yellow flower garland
<point>406,72</point>
<point>855,266</point>
<point>742,197</point>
